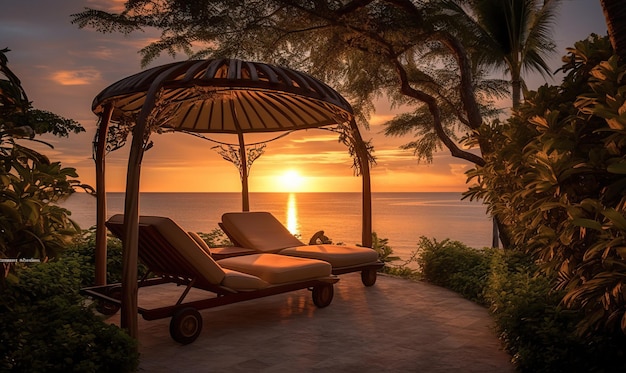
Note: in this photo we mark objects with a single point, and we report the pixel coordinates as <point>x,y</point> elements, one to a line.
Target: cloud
<point>378,119</point>
<point>459,169</point>
<point>99,53</point>
<point>109,5</point>
<point>326,138</point>
<point>76,77</point>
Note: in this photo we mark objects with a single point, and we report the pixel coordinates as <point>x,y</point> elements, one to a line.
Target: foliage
<point>215,238</point>
<point>31,225</point>
<point>83,252</point>
<point>557,175</point>
<point>411,51</point>
<point>453,265</point>
<point>381,245</point>
<point>385,254</point>
<point>47,328</point>
<point>536,330</point>
<point>514,35</point>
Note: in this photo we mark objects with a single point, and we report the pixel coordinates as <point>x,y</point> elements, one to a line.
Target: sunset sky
<point>62,68</point>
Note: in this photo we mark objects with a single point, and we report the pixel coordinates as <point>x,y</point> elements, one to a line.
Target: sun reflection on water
<point>292,215</point>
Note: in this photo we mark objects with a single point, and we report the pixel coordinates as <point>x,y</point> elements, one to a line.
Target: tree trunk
<point>615,15</point>
<point>516,91</point>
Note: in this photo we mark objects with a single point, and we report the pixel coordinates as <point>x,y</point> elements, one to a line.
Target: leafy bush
<point>556,180</point>
<point>31,226</point>
<point>455,266</point>
<point>385,254</point>
<point>83,253</point>
<point>540,334</point>
<point>215,238</point>
<point>47,328</point>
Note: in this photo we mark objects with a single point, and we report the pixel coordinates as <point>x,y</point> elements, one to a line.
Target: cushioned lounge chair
<point>262,232</point>
<point>176,256</point>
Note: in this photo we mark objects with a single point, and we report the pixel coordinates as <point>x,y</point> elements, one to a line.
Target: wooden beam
<point>101,203</point>
<point>363,157</point>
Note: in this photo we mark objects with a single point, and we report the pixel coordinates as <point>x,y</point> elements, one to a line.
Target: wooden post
<point>363,157</point>
<point>245,198</point>
<point>129,310</point>
<point>131,233</point>
<point>101,203</point>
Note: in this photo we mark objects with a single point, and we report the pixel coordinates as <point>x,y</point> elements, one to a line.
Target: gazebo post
<point>245,199</point>
<point>363,156</point>
<point>101,203</point>
<point>131,215</point>
<point>131,235</point>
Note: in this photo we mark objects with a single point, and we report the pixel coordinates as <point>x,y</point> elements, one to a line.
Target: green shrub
<point>47,328</point>
<point>83,252</point>
<point>215,238</point>
<point>539,334</point>
<point>453,265</point>
<point>556,180</point>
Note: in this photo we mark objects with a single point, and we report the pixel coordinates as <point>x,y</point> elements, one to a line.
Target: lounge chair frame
<point>185,313</point>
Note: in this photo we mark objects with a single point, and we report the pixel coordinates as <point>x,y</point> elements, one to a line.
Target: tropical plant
<point>558,177</point>
<point>455,266</point>
<point>31,225</point>
<point>538,332</point>
<point>514,35</point>
<point>615,14</point>
<point>47,327</point>
<point>385,252</point>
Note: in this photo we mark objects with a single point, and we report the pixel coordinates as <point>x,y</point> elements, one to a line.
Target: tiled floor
<point>394,326</point>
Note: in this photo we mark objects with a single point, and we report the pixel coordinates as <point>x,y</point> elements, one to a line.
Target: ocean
<point>402,218</point>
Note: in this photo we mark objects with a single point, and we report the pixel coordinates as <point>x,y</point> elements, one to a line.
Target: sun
<point>290,181</point>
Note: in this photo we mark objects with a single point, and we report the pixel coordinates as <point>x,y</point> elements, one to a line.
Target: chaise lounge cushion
<point>242,282</point>
<point>185,246</point>
<point>241,273</point>
<point>259,231</point>
<point>278,269</point>
<point>337,256</point>
<point>196,237</point>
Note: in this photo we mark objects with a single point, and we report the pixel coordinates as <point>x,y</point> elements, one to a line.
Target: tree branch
<point>431,102</point>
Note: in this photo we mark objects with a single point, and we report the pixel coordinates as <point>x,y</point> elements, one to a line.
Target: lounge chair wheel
<point>323,295</point>
<point>108,308</point>
<point>368,277</point>
<point>186,325</point>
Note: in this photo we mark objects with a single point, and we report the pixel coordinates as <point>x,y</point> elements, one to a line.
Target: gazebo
<point>204,97</point>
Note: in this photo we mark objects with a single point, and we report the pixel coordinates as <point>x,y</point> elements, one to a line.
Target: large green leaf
<point>617,168</point>
<point>587,223</point>
<point>616,218</point>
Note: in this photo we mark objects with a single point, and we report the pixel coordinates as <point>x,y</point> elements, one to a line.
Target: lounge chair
<point>175,256</point>
<point>262,232</point>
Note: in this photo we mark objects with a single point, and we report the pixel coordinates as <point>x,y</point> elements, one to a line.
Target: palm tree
<point>615,15</point>
<point>514,35</point>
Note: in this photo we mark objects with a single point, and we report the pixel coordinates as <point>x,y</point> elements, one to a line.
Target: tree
<point>365,48</point>
<point>515,35</point>
<point>615,14</point>
<point>31,226</point>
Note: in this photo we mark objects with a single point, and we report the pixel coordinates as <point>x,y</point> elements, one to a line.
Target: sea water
<point>402,218</point>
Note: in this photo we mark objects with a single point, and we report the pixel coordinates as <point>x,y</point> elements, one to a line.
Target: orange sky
<point>63,68</point>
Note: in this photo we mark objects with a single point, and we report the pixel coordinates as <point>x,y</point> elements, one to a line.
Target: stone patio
<point>395,326</point>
